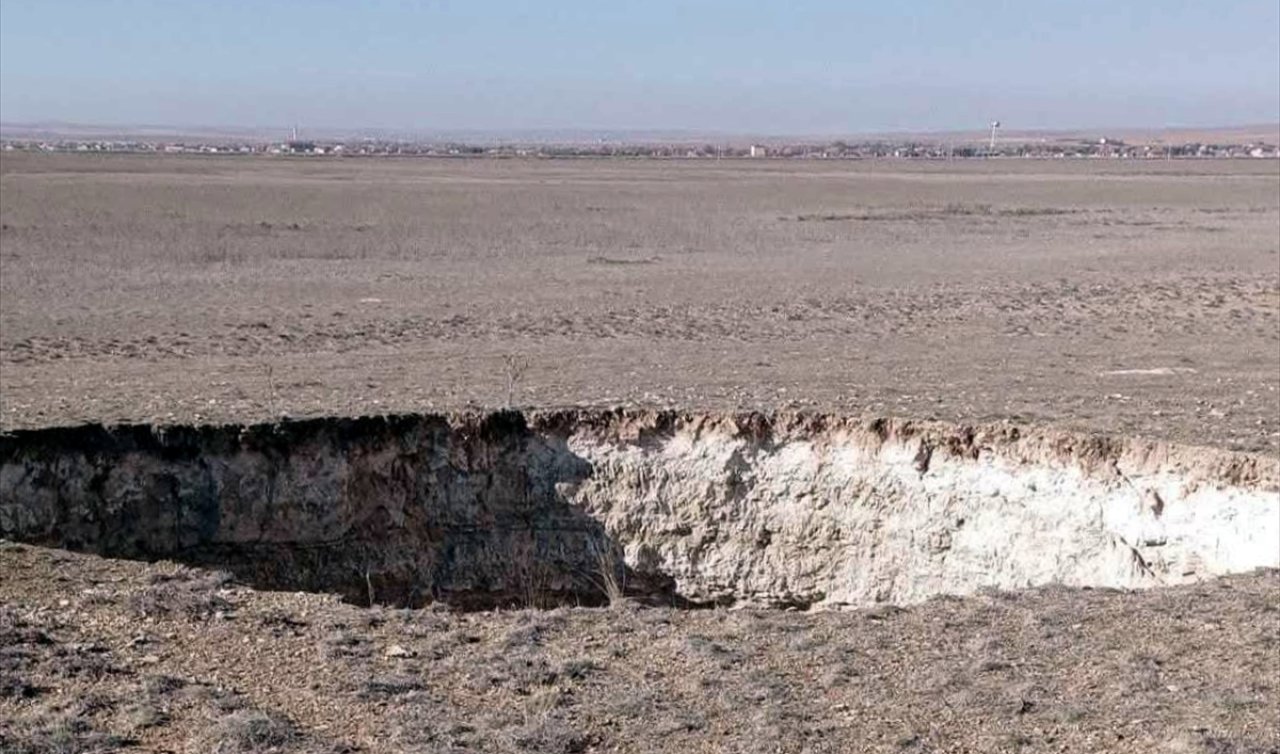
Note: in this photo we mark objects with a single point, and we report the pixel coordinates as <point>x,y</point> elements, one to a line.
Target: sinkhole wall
<point>762,509</point>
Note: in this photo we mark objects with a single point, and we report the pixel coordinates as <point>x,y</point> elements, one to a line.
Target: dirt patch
<point>149,289</point>
<point>1182,669</point>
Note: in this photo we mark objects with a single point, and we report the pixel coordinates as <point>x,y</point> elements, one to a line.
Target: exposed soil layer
<point>778,510</point>
<point>111,655</point>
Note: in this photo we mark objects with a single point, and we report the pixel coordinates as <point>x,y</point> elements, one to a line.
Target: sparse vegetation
<point>140,288</point>
<point>183,591</point>
<point>245,732</point>
<point>531,573</point>
<point>610,575</point>
<point>514,369</point>
<point>156,289</point>
<point>1046,669</point>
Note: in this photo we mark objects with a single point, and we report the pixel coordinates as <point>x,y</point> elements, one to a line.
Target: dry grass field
<point>1125,298</point>
<point>1136,298</point>
<point>155,658</point>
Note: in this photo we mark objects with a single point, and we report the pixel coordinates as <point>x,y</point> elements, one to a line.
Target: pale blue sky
<point>748,67</point>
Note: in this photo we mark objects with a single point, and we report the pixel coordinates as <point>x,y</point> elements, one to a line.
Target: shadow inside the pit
<point>403,511</point>
<point>536,549</point>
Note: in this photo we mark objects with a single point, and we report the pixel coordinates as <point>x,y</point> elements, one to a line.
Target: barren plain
<point>1135,298</point>
<point>162,658</point>
<point>776,384</point>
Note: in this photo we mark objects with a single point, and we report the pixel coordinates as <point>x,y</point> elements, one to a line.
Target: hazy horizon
<point>816,68</point>
<point>1244,132</point>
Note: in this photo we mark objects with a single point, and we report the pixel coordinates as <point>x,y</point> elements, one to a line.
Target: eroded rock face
<point>397,509</point>
<point>832,513</point>
<point>749,508</point>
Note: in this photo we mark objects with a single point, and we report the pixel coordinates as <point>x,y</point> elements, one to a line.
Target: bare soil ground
<point>1125,297</point>
<point>99,655</point>
<point>1130,298</point>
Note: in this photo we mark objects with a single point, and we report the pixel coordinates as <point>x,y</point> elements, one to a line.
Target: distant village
<point>1101,148</point>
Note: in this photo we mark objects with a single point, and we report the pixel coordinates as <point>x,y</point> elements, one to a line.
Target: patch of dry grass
<point>1181,669</point>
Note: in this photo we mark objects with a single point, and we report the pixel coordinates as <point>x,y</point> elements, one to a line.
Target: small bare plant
<point>531,576</point>
<point>610,576</point>
<point>514,368</point>
<point>271,394</point>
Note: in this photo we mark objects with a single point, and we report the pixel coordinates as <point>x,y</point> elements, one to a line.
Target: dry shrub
<point>54,730</point>
<point>514,369</point>
<point>245,732</point>
<point>531,576</point>
<point>185,592</point>
<point>610,576</point>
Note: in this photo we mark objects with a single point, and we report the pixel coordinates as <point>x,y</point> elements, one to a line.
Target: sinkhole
<point>683,508</point>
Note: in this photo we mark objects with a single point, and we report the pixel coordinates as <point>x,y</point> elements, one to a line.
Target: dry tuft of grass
<point>245,732</point>
<point>183,591</point>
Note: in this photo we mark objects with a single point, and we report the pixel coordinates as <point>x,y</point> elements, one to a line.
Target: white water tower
<point>994,125</point>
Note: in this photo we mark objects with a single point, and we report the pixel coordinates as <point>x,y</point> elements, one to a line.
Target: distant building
<point>759,151</point>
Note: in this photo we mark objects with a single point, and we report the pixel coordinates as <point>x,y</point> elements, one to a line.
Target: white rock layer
<point>843,521</point>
